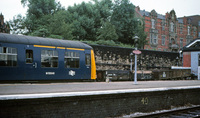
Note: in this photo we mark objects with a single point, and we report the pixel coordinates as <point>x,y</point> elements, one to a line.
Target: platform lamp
<point>135,41</point>
<point>131,56</point>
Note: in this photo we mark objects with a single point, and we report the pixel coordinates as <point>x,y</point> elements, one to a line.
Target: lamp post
<point>131,55</point>
<point>136,52</point>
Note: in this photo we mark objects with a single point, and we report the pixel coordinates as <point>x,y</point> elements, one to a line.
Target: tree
<point>139,31</point>
<point>58,25</point>
<point>87,18</point>
<point>39,8</point>
<point>41,32</point>
<point>100,20</point>
<point>38,13</point>
<point>82,20</point>
<point>107,32</point>
<point>123,19</point>
<point>17,25</point>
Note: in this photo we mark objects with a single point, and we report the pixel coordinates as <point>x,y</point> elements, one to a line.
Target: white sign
<point>164,74</point>
<point>72,73</point>
<point>50,73</point>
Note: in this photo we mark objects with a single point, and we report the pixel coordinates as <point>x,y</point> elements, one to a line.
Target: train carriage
<point>35,58</point>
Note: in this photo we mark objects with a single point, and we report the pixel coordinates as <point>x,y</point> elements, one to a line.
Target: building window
<point>172,41</point>
<point>181,28</point>
<point>163,40</point>
<point>188,30</point>
<point>154,39</point>
<point>8,56</point>
<point>199,34</point>
<point>49,58</point>
<point>199,23</point>
<point>163,25</point>
<point>72,59</point>
<point>172,27</point>
<point>153,23</point>
<point>181,43</point>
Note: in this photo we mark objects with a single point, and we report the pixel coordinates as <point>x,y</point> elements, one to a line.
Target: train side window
<point>87,59</point>
<point>29,56</point>
<point>72,59</point>
<point>8,56</point>
<point>49,58</point>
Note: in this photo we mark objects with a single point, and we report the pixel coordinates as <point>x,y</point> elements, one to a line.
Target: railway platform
<point>95,99</point>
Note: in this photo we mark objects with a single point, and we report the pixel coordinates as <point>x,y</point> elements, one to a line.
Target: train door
<point>87,72</point>
<point>30,65</point>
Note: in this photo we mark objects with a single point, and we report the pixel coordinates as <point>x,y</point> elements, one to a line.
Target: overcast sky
<point>10,8</point>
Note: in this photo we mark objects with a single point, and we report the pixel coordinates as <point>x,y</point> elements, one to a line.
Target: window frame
<point>29,57</point>
<point>71,58</point>
<point>49,55</point>
<point>9,56</point>
<point>87,59</point>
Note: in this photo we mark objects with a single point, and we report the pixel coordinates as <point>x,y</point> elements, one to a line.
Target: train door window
<point>87,59</point>
<point>8,56</point>
<point>29,56</point>
<point>49,58</point>
<point>72,59</point>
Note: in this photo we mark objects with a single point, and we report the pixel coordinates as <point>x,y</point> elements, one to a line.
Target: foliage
<point>108,43</point>
<point>17,25</point>
<point>139,31</point>
<point>123,19</point>
<point>107,32</point>
<point>99,21</point>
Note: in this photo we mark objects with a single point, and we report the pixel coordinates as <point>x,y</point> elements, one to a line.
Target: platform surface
<point>36,88</point>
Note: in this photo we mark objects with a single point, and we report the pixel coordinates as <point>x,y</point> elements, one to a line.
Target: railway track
<point>191,112</point>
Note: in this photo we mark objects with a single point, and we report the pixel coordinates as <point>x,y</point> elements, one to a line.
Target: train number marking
<point>145,101</point>
<point>50,73</point>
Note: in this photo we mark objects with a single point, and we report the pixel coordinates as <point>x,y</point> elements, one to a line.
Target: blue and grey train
<point>30,58</point>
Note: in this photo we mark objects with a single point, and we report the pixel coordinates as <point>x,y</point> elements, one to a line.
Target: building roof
<point>180,20</point>
<point>159,16</point>
<point>192,46</point>
<point>30,40</point>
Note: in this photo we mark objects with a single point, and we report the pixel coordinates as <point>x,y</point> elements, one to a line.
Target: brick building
<point>167,32</point>
<point>195,21</point>
<point>4,27</point>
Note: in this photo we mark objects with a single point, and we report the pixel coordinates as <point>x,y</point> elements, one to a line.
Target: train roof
<point>30,40</point>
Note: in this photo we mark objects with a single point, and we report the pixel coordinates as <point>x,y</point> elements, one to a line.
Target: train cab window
<point>72,59</point>
<point>87,59</point>
<point>49,58</point>
<point>8,56</point>
<point>29,56</point>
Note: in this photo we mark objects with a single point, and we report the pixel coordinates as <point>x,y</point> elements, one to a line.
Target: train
<point>28,58</point>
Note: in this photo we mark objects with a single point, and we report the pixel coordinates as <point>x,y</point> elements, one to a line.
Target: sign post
<point>136,52</point>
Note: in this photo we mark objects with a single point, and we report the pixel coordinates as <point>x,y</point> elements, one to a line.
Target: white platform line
<point>90,93</point>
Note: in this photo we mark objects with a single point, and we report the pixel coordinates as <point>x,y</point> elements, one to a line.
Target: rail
<point>191,112</point>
